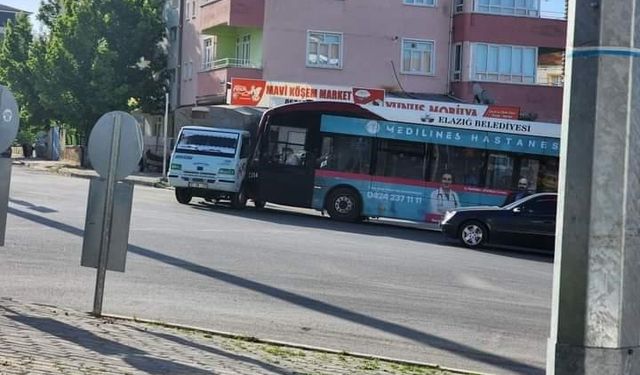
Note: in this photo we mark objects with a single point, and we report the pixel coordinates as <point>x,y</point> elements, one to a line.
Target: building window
<point>529,8</point>
<point>209,48</point>
<point>427,3</point>
<point>187,70</point>
<point>459,6</point>
<point>324,50</point>
<point>417,56</point>
<point>501,63</point>
<point>243,50</point>
<point>173,34</point>
<point>193,9</point>
<point>457,62</point>
<point>187,11</point>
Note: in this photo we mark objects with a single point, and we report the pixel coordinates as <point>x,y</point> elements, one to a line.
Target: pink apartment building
<point>436,49</point>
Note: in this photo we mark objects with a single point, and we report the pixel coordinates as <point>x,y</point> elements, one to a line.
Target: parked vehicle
<point>210,163</point>
<point>528,222</point>
<point>353,163</point>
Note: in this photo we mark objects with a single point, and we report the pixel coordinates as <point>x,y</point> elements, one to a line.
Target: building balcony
<point>231,13</point>
<point>213,79</point>
<point>499,29</point>
<point>230,63</point>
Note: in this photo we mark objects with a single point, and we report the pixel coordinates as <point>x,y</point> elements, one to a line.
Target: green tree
<point>97,55</point>
<point>16,72</point>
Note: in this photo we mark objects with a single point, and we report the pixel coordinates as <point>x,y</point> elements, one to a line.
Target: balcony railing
<point>229,63</point>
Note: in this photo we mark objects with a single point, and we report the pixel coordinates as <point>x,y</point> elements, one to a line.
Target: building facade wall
<point>240,13</point>
<point>371,47</point>
<point>540,98</point>
<point>191,61</point>
<point>543,101</point>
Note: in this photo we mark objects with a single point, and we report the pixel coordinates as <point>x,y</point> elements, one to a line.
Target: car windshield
<point>208,142</point>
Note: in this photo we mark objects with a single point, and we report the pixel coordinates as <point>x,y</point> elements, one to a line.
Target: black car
<point>529,222</point>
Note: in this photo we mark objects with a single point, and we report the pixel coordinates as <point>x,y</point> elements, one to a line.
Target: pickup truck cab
<point>210,163</point>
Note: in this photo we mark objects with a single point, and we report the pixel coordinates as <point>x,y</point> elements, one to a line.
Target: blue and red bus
<point>356,162</point>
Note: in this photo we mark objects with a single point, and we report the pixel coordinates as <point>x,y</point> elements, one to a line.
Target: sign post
<point>115,148</point>
<point>164,145</point>
<point>9,123</point>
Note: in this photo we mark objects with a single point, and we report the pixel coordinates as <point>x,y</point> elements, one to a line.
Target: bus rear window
<point>208,143</point>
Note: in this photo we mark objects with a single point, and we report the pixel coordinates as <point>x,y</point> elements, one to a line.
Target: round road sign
<point>125,149</point>
<point>9,118</point>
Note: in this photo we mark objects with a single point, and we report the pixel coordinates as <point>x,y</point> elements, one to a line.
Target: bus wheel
<point>239,200</point>
<point>183,195</point>
<point>343,204</point>
<point>259,204</point>
<point>473,234</point>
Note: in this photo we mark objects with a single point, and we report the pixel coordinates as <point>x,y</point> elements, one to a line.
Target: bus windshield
<point>211,143</point>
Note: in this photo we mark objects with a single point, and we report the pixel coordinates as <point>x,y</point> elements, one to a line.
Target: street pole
<point>166,126</point>
<point>107,217</point>
<point>595,325</point>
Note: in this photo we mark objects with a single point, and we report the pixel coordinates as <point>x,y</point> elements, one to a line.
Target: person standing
<point>522,192</point>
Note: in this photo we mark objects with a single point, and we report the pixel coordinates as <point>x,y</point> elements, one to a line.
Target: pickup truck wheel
<point>183,195</point>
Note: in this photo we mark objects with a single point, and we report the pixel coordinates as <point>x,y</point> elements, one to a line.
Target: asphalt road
<point>287,275</point>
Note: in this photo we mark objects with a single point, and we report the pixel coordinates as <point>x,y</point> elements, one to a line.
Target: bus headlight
<point>448,216</point>
<point>227,171</point>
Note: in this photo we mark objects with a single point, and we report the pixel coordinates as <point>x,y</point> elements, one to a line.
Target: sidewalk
<point>38,339</point>
<point>63,168</point>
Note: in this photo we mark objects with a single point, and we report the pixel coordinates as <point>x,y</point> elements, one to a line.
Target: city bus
<point>355,162</point>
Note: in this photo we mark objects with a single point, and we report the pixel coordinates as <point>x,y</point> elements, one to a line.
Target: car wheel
<point>239,200</point>
<point>473,234</point>
<point>343,204</point>
<point>183,196</point>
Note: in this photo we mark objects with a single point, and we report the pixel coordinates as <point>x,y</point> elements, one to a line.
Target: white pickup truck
<point>210,163</point>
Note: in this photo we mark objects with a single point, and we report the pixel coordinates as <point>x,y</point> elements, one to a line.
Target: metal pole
<point>596,287</point>
<point>5,184</point>
<point>107,216</point>
<point>166,125</point>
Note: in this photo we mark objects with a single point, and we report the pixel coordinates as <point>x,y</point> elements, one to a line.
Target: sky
<point>28,5</point>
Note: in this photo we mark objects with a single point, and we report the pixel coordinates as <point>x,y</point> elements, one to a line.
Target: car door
<point>534,222</point>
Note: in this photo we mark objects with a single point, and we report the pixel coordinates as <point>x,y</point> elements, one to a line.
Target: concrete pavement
<point>41,339</point>
<point>403,295</point>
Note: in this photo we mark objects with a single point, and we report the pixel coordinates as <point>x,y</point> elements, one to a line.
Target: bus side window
<point>345,153</point>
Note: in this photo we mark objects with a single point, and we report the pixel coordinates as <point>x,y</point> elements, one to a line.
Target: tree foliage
<point>16,72</point>
<point>95,57</point>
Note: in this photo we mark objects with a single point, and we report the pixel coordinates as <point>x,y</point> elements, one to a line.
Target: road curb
<point>64,171</point>
<point>288,344</point>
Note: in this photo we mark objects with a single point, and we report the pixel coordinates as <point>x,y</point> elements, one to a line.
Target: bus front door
<point>286,174</point>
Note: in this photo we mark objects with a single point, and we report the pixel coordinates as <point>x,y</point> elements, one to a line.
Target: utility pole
<point>595,327</point>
